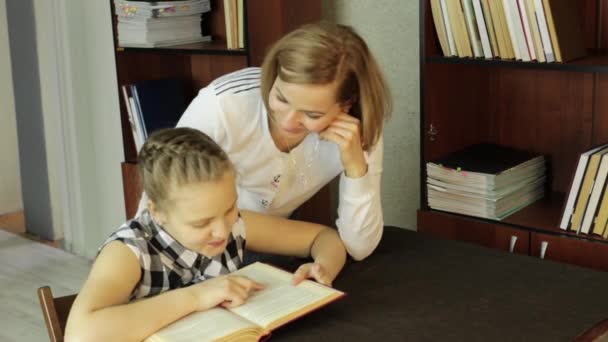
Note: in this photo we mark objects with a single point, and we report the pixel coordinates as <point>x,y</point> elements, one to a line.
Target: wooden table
<point>418,288</point>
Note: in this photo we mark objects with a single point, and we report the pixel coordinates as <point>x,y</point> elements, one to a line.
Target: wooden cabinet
<point>457,227</point>
<point>266,21</point>
<point>582,252</point>
<point>556,109</point>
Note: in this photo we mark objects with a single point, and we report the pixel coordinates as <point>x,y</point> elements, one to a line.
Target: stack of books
<point>160,23</point>
<point>486,180</point>
<point>525,30</point>
<point>586,209</point>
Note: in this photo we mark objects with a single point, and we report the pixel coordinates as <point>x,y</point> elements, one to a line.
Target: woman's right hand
<point>228,291</point>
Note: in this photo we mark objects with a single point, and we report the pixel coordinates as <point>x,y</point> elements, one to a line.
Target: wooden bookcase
<point>555,109</point>
<point>265,22</point>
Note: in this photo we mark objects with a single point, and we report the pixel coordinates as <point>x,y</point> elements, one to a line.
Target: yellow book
<point>565,29</point>
<point>552,33</point>
<point>533,24</point>
<point>602,217</point>
<point>459,28</point>
<point>487,14</point>
<point>501,25</point>
<point>583,197</point>
<point>240,23</point>
<point>277,304</point>
<point>440,27</point>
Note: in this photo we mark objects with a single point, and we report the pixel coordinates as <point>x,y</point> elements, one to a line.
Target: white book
<point>448,28</point>
<point>139,123</point>
<point>264,311</point>
<point>576,184</point>
<point>507,11</point>
<point>544,31</point>
<point>598,186</point>
<point>516,29</point>
<point>483,31</point>
<point>469,17</point>
<point>133,120</point>
<point>527,29</point>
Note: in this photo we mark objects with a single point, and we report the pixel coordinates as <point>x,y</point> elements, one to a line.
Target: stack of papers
<point>160,23</point>
<point>486,180</point>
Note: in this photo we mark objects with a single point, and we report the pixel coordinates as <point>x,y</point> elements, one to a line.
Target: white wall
<point>94,205</point>
<point>97,111</point>
<point>390,27</point>
<point>10,180</point>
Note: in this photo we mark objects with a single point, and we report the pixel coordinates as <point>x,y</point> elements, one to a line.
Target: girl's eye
<point>281,99</point>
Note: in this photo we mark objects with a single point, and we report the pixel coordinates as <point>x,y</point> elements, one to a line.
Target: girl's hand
<point>228,291</point>
<point>346,132</point>
<point>314,271</point>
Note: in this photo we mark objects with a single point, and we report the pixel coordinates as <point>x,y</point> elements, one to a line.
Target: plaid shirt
<point>166,264</point>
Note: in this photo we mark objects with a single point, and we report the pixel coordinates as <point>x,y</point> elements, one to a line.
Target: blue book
<point>159,103</point>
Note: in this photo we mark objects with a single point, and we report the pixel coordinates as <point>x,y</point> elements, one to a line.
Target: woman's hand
<point>314,271</point>
<point>228,291</point>
<point>346,132</point>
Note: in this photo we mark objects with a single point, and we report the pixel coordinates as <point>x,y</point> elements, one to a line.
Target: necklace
<point>300,171</point>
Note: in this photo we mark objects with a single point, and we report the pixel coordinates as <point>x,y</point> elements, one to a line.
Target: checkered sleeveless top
<point>166,264</point>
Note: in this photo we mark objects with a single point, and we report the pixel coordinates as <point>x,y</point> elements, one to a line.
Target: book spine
<point>483,32</point>
<point>544,31</point>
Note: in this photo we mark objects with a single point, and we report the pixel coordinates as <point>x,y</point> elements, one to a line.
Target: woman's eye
<point>313,116</point>
<point>281,99</point>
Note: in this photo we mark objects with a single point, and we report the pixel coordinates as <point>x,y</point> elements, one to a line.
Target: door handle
<point>512,243</point>
<point>543,249</point>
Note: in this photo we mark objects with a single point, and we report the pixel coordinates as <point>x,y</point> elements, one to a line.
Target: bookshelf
<point>557,109</point>
<point>265,22</point>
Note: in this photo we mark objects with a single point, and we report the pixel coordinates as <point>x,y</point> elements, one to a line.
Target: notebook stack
<point>486,180</point>
<point>160,23</point>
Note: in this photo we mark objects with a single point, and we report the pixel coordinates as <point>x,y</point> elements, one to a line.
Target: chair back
<point>55,311</point>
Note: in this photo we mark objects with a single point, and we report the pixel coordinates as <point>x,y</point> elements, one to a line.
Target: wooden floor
<point>25,265</point>
<point>15,223</point>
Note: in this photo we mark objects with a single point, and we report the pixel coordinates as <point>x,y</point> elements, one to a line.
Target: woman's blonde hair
<point>322,53</point>
<point>177,156</point>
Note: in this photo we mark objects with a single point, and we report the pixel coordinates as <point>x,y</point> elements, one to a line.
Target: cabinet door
<point>575,251</point>
<point>479,232</point>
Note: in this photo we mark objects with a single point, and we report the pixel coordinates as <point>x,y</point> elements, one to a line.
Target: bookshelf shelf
<point>203,48</point>
<point>596,63</point>
<point>555,109</point>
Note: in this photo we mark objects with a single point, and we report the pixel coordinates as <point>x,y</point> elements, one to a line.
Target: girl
<point>314,110</point>
<point>175,257</point>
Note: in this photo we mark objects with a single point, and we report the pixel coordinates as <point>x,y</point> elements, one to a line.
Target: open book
<point>277,304</point>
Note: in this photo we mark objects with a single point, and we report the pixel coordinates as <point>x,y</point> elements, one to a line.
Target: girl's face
<point>200,215</point>
<point>298,109</point>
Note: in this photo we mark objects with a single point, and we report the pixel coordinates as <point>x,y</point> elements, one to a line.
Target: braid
<point>177,156</point>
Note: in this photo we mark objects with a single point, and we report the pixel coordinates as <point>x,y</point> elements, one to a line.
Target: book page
<point>209,325</point>
<point>280,301</point>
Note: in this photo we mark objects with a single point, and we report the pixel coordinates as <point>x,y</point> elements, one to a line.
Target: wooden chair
<point>597,333</point>
<point>55,312</point>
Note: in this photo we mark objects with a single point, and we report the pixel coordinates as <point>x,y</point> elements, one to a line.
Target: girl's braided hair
<point>174,157</point>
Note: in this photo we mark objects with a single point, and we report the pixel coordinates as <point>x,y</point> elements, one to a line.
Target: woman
<point>314,110</point>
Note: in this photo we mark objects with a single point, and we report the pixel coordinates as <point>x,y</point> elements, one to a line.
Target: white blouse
<point>231,111</point>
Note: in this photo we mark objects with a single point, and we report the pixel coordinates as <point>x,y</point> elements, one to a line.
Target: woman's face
<point>298,109</point>
<point>200,215</point>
